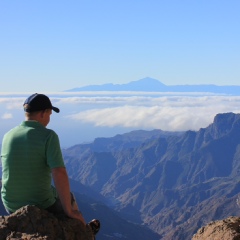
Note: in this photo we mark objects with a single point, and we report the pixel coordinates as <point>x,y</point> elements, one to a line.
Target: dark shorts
<point>57,208</point>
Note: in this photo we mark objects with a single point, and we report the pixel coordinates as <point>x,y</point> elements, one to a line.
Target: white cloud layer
<point>86,116</point>
<point>166,113</point>
<point>7,116</point>
<point>11,102</point>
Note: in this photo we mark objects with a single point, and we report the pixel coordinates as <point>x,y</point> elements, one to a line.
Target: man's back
<point>29,151</point>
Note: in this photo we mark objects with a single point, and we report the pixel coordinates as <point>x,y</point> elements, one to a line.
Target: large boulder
<point>227,229</point>
<point>30,222</point>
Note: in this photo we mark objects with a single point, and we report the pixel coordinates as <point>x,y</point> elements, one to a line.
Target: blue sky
<point>57,45</point>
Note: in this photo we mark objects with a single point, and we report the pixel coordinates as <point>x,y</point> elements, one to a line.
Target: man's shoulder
<point>12,130</point>
<point>51,131</point>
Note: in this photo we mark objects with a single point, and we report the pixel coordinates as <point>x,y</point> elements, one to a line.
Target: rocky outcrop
<point>30,222</point>
<point>227,229</point>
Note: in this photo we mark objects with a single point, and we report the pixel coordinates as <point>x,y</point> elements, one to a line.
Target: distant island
<point>153,85</point>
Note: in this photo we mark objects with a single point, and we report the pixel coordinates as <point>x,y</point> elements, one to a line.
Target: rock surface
<point>227,229</point>
<point>30,222</point>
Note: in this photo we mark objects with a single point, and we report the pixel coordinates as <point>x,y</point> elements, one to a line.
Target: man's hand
<point>77,215</point>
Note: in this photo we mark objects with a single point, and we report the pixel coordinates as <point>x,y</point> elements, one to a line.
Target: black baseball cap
<point>38,102</point>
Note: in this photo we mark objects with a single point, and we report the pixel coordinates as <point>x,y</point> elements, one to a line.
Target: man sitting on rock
<point>31,158</point>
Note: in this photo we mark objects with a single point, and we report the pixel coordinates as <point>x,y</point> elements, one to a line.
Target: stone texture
<point>30,222</point>
<point>227,229</point>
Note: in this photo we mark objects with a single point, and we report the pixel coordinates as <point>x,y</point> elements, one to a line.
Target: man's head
<point>38,102</point>
<point>38,107</point>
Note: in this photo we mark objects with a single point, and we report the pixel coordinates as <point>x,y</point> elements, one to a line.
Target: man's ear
<point>42,113</point>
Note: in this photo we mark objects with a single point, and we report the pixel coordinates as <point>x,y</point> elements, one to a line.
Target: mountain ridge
<point>169,181</point>
<point>153,85</point>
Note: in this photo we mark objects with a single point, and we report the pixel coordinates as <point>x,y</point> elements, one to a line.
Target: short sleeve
<point>53,151</point>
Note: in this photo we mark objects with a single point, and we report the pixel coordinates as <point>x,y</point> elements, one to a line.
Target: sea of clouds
<point>85,116</point>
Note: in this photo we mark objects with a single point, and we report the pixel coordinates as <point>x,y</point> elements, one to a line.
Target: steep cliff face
<point>169,181</point>
<point>30,222</point>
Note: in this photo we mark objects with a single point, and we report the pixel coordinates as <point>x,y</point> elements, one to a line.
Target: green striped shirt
<point>29,152</point>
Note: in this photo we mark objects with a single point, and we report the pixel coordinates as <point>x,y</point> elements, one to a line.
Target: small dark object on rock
<point>95,226</point>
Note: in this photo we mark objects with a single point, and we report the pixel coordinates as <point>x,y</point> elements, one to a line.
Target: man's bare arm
<point>61,182</point>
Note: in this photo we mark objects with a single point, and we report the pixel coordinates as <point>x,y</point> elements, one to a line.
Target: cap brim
<point>55,109</point>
